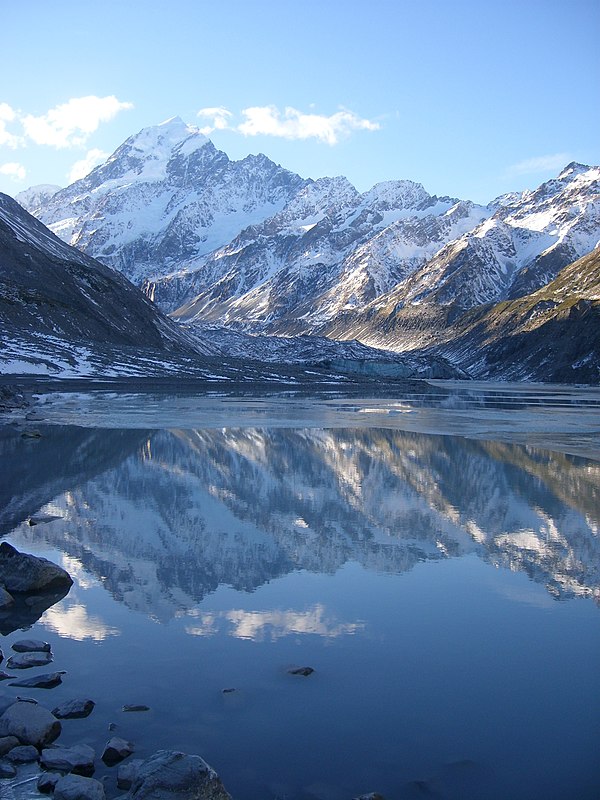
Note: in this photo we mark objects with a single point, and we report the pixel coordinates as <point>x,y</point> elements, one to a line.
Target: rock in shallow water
<point>30,723</point>
<point>30,646</point>
<point>76,787</point>
<point>116,750</point>
<point>47,781</point>
<point>27,660</point>
<point>23,754</point>
<point>127,773</point>
<point>74,709</point>
<point>305,671</point>
<point>170,775</point>
<point>78,759</point>
<point>7,770</point>
<point>21,572</point>
<point>46,681</point>
<point>6,600</point>
<point>7,743</point>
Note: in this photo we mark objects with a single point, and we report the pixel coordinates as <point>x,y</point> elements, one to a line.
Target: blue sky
<point>469,98</point>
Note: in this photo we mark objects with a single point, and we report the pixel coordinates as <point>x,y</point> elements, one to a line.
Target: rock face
<point>20,572</point>
<point>30,723</point>
<point>170,775</point>
<point>76,787</point>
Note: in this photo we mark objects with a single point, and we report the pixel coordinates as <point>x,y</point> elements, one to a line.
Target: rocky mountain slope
<point>164,198</point>
<point>63,313</point>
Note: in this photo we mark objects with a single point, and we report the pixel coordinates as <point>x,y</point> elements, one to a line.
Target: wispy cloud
<point>288,124</point>
<point>539,164</point>
<point>14,170</point>
<point>71,124</point>
<point>81,168</point>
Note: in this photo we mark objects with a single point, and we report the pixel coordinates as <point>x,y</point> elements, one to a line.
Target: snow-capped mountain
<point>304,266</point>
<point>165,198</point>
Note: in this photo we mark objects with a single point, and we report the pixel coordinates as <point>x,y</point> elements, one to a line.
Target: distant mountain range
<point>250,246</point>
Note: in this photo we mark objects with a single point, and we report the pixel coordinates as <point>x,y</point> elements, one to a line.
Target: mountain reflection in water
<point>165,517</point>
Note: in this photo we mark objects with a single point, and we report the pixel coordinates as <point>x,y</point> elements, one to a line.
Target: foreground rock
<point>6,599</point>
<point>46,681</point>
<point>128,772</point>
<point>74,709</point>
<point>27,660</point>
<point>20,572</point>
<point>170,775</point>
<point>116,750</point>
<point>78,759</point>
<point>30,646</point>
<point>76,787</point>
<point>30,723</point>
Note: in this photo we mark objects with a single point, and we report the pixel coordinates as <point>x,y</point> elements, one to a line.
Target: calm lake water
<point>436,561</point>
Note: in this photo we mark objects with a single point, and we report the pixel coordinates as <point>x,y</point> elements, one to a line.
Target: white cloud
<point>71,123</point>
<point>7,114</point>
<point>83,167</point>
<point>539,164</point>
<point>294,124</point>
<point>219,117</point>
<point>289,124</point>
<point>15,171</point>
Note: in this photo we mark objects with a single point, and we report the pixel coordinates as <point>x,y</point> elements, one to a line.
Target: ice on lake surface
<point>435,559</point>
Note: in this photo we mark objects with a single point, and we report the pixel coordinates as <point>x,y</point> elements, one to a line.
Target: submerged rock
<point>116,750</point>
<point>21,572</point>
<point>4,676</point>
<point>46,681</point>
<point>74,709</point>
<point>78,759</point>
<point>170,775</point>
<point>28,660</point>
<point>76,787</point>
<point>31,724</point>
<point>306,671</point>
<point>30,646</point>
<point>135,708</point>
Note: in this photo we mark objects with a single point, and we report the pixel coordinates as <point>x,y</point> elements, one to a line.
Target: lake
<point>434,559</point>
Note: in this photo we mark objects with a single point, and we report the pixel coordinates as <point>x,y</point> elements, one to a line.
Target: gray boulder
<point>74,709</point>
<point>116,750</point>
<point>128,772</point>
<point>30,646</point>
<point>7,743</point>
<point>48,680</point>
<point>21,572</point>
<point>31,724</point>
<point>170,775</point>
<point>76,787</point>
<point>47,781</point>
<point>23,754</point>
<point>27,660</point>
<point>78,759</point>
<point>7,770</point>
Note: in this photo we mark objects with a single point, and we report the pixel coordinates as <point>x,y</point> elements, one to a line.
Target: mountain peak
<point>573,169</point>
